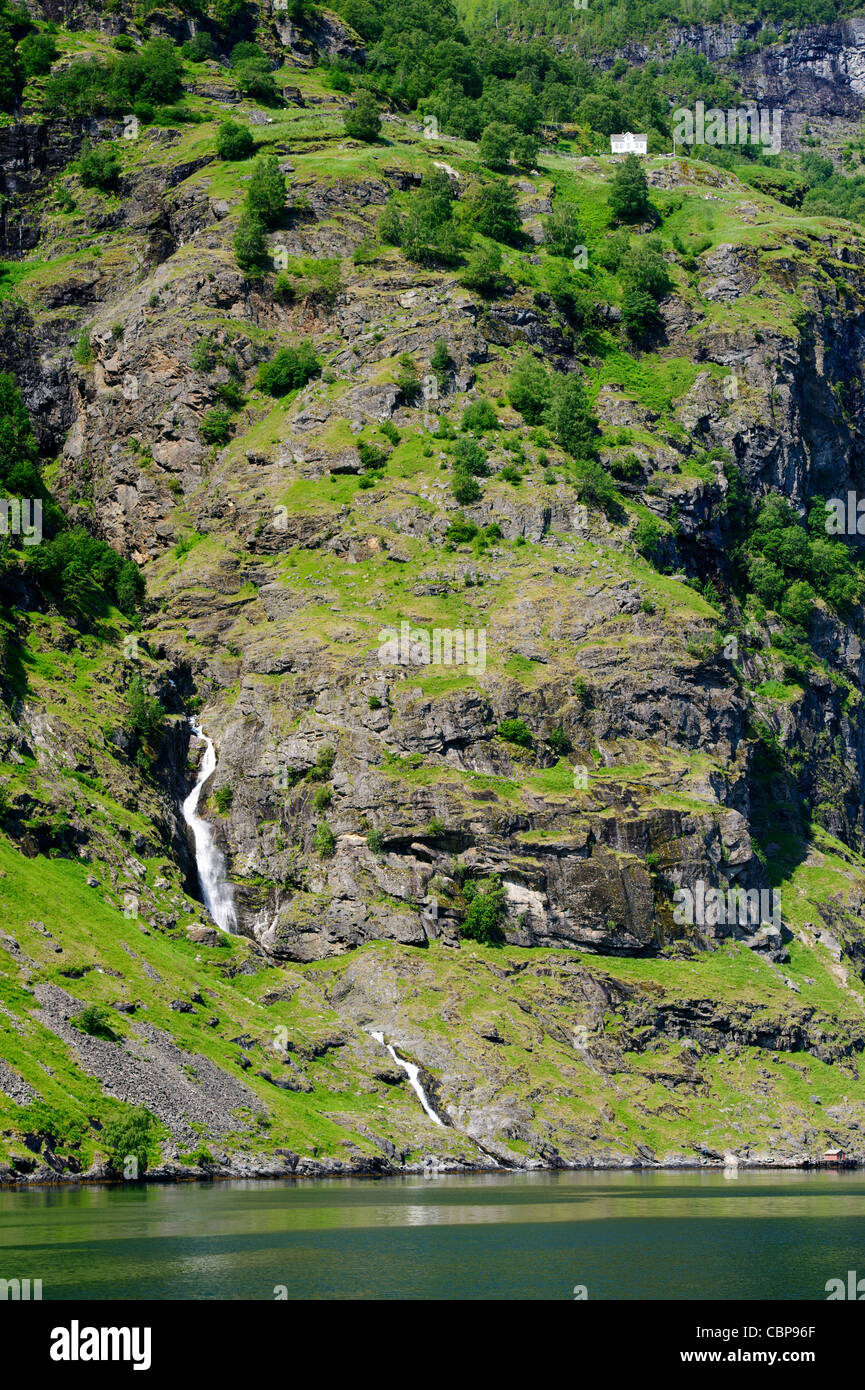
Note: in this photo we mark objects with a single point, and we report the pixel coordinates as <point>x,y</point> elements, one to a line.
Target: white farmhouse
<point>629,144</point>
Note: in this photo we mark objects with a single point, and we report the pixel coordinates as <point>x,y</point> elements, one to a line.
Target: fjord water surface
<point>632,1235</point>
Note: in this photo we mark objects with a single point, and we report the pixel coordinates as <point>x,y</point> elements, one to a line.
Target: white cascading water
<point>411,1072</point>
<point>215,887</point>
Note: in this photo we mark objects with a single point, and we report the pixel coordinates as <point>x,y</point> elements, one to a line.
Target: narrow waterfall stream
<point>411,1072</point>
<point>215,888</point>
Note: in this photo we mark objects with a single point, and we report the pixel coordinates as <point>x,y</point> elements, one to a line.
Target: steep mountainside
<point>352,410</point>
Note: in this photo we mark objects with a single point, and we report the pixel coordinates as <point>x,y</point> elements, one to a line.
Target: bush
<point>145,719</point>
<point>562,230</point>
<point>470,458</point>
<point>95,1022</point>
<point>629,192</point>
<point>99,167</point>
<point>216,425</point>
<point>288,370</point>
<point>407,378</point>
<point>482,922</point>
<point>483,272</point>
<point>203,355</point>
<point>83,353</point>
<point>465,489</point>
<point>363,122</point>
<point>250,244</point>
<point>234,141</point>
<point>36,53</point>
<point>479,416</point>
<point>495,213</point>
<point>569,417</point>
<point>461,530</point>
<point>265,197</point>
<point>223,799</point>
<point>130,1135</point>
<point>199,48</point>
<point>647,538</point>
<point>322,797</point>
<point>375,841</point>
<point>515,731</point>
<point>495,145</point>
<point>593,485</point>
<point>529,390</point>
<point>324,842</point>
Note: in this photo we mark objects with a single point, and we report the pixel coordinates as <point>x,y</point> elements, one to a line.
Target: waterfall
<point>411,1072</point>
<point>215,887</point>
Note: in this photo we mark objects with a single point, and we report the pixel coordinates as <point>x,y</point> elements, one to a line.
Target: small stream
<point>411,1072</point>
<point>215,888</point>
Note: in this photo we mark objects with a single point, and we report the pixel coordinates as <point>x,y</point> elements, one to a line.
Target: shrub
<point>83,353</point>
<point>470,458</point>
<point>629,192</point>
<point>441,361</point>
<point>569,416</point>
<point>130,1135</point>
<point>562,230</point>
<point>375,840</point>
<point>322,797</point>
<point>483,272</point>
<point>234,141</point>
<point>465,489</point>
<point>288,370</point>
<point>495,213</point>
<point>145,719</point>
<point>250,244</point>
<point>363,122</point>
<point>647,537</point>
<point>461,530</point>
<point>99,166</point>
<point>284,290</point>
<point>407,378</point>
<point>199,48</point>
<point>265,197</point>
<point>254,80</point>
<point>324,842</point>
<point>482,922</point>
<point>529,390</point>
<point>36,53</point>
<point>216,425</point>
<point>592,484</point>
<point>479,416</point>
<point>515,731</point>
<point>223,799</point>
<point>203,355</point>
<point>559,742</point>
<point>495,145</point>
<point>95,1022</point>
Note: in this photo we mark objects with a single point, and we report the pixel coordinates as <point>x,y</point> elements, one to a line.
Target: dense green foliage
<point>133,82</point>
<point>288,369</point>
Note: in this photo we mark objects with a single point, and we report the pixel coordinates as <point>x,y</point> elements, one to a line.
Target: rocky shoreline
<point>379,1168</point>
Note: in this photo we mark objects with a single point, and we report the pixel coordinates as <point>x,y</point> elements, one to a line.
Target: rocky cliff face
<point>659,753</point>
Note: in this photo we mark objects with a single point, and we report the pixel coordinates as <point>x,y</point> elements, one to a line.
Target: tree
<point>569,417</point>
<point>234,141</point>
<point>363,121</point>
<point>529,389</point>
<point>130,1136</point>
<point>640,314</point>
<point>99,167</point>
<point>265,198</point>
<point>562,230</point>
<point>496,214</point>
<point>288,370</point>
<point>629,192</point>
<point>495,146</point>
<point>525,151</point>
<point>250,243</point>
<point>483,272</point>
<point>37,52</point>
